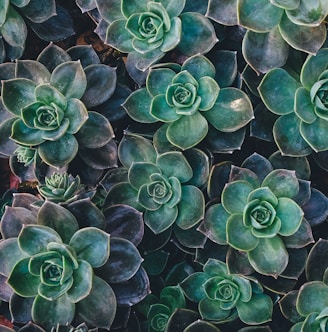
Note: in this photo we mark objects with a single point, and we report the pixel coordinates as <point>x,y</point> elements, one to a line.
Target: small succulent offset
<point>187,99</point>
<point>301,106</point>
<point>57,275</point>
<point>15,15</point>
<point>157,184</point>
<point>46,102</point>
<point>61,188</point>
<point>222,296</point>
<point>148,30</point>
<point>272,26</point>
<point>159,310</point>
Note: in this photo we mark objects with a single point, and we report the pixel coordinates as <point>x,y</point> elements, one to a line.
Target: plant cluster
<point>167,165</point>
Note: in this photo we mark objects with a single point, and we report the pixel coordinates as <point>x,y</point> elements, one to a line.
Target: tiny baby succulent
<point>148,30</point>
<point>273,26</point>
<point>158,310</point>
<point>48,103</point>
<point>263,209</point>
<point>222,296</point>
<point>188,99</point>
<point>61,188</point>
<point>158,185</point>
<point>58,276</point>
<point>42,16</point>
<point>301,106</point>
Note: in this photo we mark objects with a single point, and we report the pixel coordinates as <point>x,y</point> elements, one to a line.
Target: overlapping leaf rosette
<point>52,110</point>
<point>307,307</point>
<point>162,186</point>
<point>70,265</point>
<point>223,296</point>
<point>49,21</point>
<point>273,26</point>
<point>148,30</point>
<point>301,106</point>
<point>189,102</point>
<point>264,216</point>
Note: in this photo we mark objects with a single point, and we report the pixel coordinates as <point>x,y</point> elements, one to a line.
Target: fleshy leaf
<point>50,313</point>
<point>231,111</point>
<point>282,182</point>
<point>91,244</point>
<point>270,257</point>
<point>17,93</point>
<point>258,16</point>
<point>290,215</point>
<point>189,215</point>
<point>277,90</point>
<point>238,236</point>
<point>264,51</point>
<point>198,34</point>
<point>234,196</point>
<point>21,272</point>
<point>99,308</point>
<point>305,38</point>
<point>70,79</point>
<point>195,125</point>
<point>256,311</point>
<point>223,11</point>
<point>35,238</point>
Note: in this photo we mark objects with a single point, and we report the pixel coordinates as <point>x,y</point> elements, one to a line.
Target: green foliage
<point>222,296</point>
<point>301,106</point>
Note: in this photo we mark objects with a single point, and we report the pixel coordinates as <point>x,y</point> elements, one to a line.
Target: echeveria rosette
<point>148,30</point>
<point>48,112</point>
<point>311,307</point>
<point>261,210</point>
<point>301,106</point>
<point>158,310</point>
<point>58,276</point>
<point>159,185</point>
<point>61,188</point>
<point>222,296</point>
<point>187,99</point>
<point>273,26</point>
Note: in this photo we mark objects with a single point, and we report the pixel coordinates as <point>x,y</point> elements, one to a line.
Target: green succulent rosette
<point>48,113</point>
<point>301,106</point>
<point>273,26</point>
<point>158,310</point>
<point>160,185</point>
<point>222,296</point>
<point>61,188</point>
<point>256,216</point>
<point>46,117</point>
<point>58,277</point>
<point>188,100</point>
<point>147,30</point>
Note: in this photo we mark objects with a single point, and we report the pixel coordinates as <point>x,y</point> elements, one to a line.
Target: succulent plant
<point>273,26</point>
<point>42,16</point>
<point>47,103</point>
<point>187,99</point>
<point>157,185</point>
<point>149,30</point>
<point>301,106</point>
<point>222,296</point>
<point>61,187</point>
<point>57,275</point>
<point>122,271</point>
<point>263,209</point>
<point>158,310</point>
